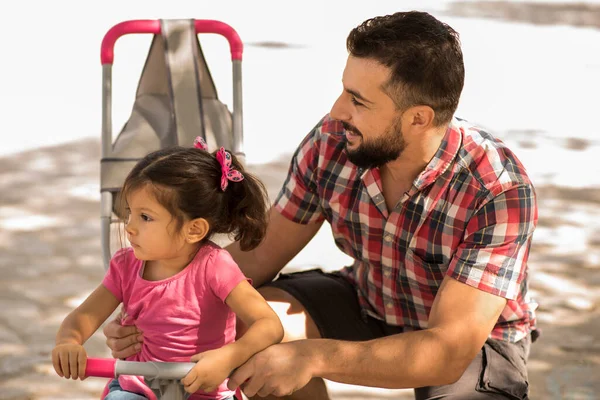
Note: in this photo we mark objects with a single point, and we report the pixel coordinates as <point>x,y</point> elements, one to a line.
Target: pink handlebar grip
<point>152,26</point>
<point>211,26</point>
<point>100,367</point>
<point>107,54</point>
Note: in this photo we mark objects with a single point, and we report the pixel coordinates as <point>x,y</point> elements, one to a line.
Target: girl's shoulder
<point>218,270</point>
<point>212,253</point>
<point>123,257</point>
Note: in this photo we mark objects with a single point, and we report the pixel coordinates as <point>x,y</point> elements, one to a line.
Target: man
<point>438,216</point>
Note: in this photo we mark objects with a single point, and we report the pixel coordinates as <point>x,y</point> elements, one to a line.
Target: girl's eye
<point>146,218</point>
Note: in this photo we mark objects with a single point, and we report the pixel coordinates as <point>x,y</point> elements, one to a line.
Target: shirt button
<point>387,238</point>
<point>387,273</point>
<point>389,304</point>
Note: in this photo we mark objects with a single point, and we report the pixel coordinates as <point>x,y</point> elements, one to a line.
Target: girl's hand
<point>69,360</point>
<point>211,369</point>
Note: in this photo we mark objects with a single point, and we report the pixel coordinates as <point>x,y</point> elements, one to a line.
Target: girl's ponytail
<point>247,203</point>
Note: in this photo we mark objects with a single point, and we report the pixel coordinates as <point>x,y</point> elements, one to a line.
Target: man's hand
<point>278,370</point>
<point>124,341</point>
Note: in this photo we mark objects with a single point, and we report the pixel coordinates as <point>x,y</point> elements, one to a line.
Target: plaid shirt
<point>469,215</point>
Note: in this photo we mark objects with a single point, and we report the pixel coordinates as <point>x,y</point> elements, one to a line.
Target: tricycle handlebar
<point>111,368</point>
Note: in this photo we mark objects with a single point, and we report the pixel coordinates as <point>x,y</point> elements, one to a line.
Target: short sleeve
<point>494,252</point>
<point>113,279</point>
<point>222,273</point>
<point>298,200</point>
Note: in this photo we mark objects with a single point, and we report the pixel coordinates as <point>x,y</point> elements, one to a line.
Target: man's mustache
<point>351,128</point>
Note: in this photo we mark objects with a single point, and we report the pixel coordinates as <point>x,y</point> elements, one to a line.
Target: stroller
<point>176,101</point>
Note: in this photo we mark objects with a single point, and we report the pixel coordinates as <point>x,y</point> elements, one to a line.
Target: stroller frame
<point>156,27</point>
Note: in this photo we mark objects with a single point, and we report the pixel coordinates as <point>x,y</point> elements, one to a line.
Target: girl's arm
<point>82,322</point>
<point>69,357</point>
<point>264,326</point>
<point>264,329</point>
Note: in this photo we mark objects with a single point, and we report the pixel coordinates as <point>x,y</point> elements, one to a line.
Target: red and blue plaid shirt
<point>469,215</point>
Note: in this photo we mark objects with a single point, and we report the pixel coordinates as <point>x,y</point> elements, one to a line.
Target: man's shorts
<point>498,372</point>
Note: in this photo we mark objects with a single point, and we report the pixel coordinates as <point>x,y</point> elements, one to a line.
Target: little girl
<point>179,288</point>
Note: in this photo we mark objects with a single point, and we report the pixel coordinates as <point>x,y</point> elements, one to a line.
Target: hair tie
<point>200,143</point>
<point>228,174</point>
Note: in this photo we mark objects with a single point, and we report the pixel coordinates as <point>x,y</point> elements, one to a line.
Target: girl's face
<point>151,231</point>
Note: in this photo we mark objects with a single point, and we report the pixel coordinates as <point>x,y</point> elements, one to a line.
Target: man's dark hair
<point>424,56</point>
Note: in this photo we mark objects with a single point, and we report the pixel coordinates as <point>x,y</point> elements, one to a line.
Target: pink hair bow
<point>229,174</point>
<point>224,158</point>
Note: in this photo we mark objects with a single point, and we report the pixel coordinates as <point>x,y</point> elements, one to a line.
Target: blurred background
<point>532,73</point>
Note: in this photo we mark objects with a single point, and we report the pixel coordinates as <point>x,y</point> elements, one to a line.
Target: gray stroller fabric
<point>176,101</point>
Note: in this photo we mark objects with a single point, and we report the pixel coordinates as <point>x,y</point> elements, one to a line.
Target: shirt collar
<point>443,157</point>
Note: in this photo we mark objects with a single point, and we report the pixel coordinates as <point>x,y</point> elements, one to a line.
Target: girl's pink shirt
<point>179,316</point>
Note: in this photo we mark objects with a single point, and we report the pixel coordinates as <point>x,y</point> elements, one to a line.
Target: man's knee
<point>296,321</point>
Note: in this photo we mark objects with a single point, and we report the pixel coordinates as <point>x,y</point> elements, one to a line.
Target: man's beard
<point>374,153</point>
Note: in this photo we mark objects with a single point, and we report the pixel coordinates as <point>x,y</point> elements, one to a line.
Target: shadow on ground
<point>50,258</point>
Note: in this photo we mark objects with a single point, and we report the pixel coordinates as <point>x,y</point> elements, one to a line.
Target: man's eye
<point>355,102</point>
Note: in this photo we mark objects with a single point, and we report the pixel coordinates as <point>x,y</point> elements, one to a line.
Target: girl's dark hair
<point>424,56</point>
<point>187,182</point>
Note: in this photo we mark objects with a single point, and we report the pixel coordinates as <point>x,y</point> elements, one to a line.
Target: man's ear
<point>196,230</point>
<point>421,118</point>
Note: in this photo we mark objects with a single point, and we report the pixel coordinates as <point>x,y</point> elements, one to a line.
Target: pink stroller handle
<point>153,26</point>
<point>212,26</point>
<point>100,367</point>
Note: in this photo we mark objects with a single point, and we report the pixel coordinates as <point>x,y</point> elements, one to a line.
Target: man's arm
<point>283,240</point>
<point>460,321</point>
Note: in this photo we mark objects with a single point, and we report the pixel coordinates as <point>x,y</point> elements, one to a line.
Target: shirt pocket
<point>417,284</point>
<point>427,273</point>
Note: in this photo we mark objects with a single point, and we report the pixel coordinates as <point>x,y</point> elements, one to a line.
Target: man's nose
<point>339,111</point>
